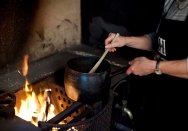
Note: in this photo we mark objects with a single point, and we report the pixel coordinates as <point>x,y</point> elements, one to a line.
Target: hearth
<point>46,76</point>
<point>72,114</point>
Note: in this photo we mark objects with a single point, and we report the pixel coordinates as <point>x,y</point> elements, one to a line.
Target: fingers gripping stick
<point>102,57</point>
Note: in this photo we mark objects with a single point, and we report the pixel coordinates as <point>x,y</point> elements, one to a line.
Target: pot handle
<point>124,79</point>
<point>119,71</point>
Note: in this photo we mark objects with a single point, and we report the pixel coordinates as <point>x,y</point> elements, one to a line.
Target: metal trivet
<point>77,116</point>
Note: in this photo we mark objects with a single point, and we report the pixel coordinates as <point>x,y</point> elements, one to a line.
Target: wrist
<point>157,68</point>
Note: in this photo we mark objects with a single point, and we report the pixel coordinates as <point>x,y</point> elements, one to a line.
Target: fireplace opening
<point>47,106</point>
<point>61,113</point>
<point>45,78</point>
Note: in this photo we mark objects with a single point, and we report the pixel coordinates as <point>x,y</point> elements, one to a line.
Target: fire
<point>32,106</point>
<point>25,66</point>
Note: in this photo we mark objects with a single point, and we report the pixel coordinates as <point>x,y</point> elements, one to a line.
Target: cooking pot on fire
<point>88,87</point>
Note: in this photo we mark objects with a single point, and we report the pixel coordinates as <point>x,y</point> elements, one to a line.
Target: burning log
<point>7,103</point>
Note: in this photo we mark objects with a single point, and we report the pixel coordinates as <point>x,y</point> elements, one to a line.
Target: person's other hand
<point>119,42</point>
<point>141,66</point>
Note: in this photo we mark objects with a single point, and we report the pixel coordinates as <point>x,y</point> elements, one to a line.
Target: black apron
<point>173,39</point>
<point>160,102</point>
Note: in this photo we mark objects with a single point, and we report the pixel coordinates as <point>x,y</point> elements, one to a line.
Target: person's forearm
<point>141,42</point>
<point>175,68</point>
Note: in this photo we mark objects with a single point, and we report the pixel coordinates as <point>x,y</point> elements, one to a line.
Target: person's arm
<point>143,66</point>
<point>139,42</point>
<point>178,68</point>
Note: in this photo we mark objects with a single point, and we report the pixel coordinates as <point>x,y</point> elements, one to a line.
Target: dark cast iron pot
<point>88,87</point>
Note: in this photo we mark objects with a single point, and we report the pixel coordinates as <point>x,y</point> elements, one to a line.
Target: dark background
<point>137,16</point>
<point>15,22</point>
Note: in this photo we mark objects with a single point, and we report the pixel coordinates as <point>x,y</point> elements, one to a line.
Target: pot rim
<point>70,64</point>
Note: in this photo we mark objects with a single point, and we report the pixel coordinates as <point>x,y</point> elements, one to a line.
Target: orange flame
<point>25,66</point>
<point>33,106</point>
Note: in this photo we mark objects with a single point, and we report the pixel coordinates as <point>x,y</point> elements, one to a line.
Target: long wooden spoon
<point>102,57</point>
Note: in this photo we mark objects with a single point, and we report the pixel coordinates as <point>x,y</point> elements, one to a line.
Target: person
<point>159,98</point>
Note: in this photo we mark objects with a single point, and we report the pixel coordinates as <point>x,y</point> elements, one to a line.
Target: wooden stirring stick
<point>102,57</point>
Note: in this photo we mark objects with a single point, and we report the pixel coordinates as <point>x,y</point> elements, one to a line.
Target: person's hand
<point>141,66</point>
<point>119,42</point>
